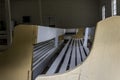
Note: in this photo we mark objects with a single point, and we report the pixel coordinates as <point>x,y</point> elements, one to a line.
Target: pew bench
<point>71,55</point>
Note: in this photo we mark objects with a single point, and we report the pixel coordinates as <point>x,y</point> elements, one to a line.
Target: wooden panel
<point>82,41</point>
<point>64,66</point>
<point>72,60</point>
<point>61,37</point>
<point>42,49</point>
<point>83,56</point>
<point>41,57</point>
<point>15,63</point>
<point>41,45</point>
<point>78,53</point>
<point>40,67</point>
<point>57,61</point>
<point>86,50</point>
<point>40,52</point>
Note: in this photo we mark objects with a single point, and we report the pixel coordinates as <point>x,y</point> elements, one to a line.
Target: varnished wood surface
<point>103,62</point>
<point>15,63</point>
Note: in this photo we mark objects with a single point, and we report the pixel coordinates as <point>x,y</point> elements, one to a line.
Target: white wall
<point>89,34</point>
<point>47,33</point>
<point>71,13</point>
<point>71,30</point>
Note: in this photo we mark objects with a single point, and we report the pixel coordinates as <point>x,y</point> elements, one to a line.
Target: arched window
<point>103,12</point>
<point>114,7</point>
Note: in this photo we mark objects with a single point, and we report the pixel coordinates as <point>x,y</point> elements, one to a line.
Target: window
<point>103,12</point>
<point>114,7</point>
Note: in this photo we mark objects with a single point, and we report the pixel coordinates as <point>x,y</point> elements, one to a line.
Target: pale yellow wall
<point>103,63</point>
<point>61,37</point>
<point>15,63</point>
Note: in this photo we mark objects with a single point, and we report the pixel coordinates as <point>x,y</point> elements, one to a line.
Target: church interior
<point>59,39</point>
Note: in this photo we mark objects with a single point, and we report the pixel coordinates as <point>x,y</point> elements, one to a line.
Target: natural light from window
<point>114,7</point>
<point>103,12</point>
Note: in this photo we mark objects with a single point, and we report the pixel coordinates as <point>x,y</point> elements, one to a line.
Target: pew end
<point>104,60</point>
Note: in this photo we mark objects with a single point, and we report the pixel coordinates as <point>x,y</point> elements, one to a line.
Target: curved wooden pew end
<point>103,62</point>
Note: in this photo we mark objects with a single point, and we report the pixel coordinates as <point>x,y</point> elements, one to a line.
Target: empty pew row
<point>42,56</point>
<point>72,55</point>
<point>104,60</point>
<point>24,58</point>
<point>42,49</point>
<point>45,48</point>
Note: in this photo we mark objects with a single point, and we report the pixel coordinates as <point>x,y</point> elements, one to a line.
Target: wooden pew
<point>32,60</point>
<point>64,65</point>
<point>83,56</point>
<point>41,50</point>
<point>40,66</point>
<point>15,62</point>
<point>57,61</point>
<point>103,62</point>
<point>19,62</point>
<point>42,45</point>
<point>79,61</point>
<point>44,55</point>
<point>71,56</point>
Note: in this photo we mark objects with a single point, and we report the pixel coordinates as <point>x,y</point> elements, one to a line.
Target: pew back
<point>15,62</point>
